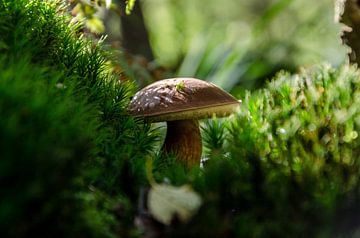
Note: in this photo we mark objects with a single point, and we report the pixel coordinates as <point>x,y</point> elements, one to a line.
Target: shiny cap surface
<point>180,99</point>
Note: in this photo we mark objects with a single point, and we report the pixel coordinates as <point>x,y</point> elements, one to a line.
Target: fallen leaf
<point>166,201</point>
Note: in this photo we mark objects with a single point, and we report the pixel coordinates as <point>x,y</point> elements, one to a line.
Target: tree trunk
<point>134,32</point>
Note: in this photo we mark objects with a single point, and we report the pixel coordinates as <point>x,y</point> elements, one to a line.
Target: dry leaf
<point>166,201</point>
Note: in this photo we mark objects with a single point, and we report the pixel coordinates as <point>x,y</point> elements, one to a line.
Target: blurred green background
<point>238,44</point>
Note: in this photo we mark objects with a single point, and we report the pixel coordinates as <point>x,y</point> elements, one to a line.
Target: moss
<point>72,160</point>
<point>303,140</point>
<point>288,162</point>
<point>64,127</point>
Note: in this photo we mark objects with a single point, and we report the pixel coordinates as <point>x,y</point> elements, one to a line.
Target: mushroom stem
<point>183,139</point>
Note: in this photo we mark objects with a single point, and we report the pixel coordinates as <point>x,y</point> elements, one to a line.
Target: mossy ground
<point>73,161</point>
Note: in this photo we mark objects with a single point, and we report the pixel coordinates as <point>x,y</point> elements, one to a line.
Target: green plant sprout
<point>180,87</point>
<point>129,6</point>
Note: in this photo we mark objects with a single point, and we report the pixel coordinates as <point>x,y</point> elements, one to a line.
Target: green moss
<point>43,143</point>
<point>305,125</point>
<point>72,160</point>
<point>64,127</point>
<point>292,158</point>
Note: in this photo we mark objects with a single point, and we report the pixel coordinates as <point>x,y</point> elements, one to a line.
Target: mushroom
<point>181,102</point>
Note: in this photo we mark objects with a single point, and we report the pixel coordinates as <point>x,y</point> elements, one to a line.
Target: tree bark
<point>134,32</point>
<point>349,11</point>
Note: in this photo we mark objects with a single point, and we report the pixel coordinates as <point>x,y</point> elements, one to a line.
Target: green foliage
<point>239,44</point>
<point>129,6</point>
<point>73,161</point>
<point>301,146</point>
<point>288,163</point>
<point>91,12</point>
<point>43,143</point>
<point>64,127</point>
<point>88,13</point>
<point>214,137</point>
<point>305,124</point>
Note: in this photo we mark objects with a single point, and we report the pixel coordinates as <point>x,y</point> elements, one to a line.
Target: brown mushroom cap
<point>181,99</point>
